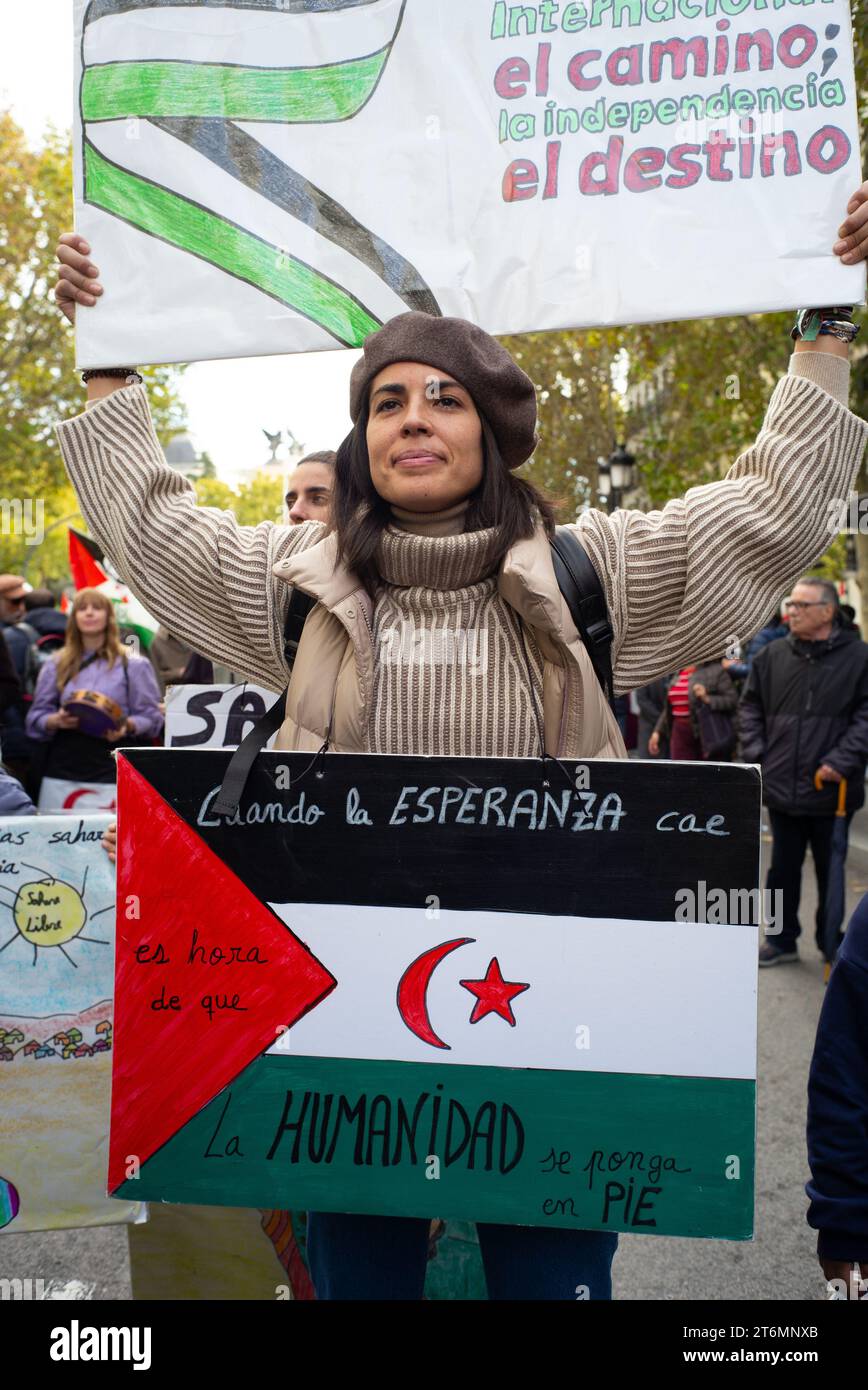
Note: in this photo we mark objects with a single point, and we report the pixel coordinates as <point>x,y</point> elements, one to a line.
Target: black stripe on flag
<point>98,9</point>
<point>508,835</point>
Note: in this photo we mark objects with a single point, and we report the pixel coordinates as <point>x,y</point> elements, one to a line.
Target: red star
<point>493,994</point>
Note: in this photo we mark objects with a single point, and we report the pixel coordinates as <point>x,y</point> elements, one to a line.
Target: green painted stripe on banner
<point>169,88</point>
<point>182,223</point>
<point>586,1150</point>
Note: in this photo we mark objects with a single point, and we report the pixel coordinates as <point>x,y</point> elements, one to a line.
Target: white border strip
<point>617,995</point>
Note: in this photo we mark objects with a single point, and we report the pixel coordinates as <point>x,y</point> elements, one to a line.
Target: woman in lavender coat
<point>91,658</point>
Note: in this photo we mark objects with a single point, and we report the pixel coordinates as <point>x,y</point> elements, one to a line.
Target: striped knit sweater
<point>680,582</point>
<point>454,673</point>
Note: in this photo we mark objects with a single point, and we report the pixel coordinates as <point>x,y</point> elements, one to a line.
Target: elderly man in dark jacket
<point>805,711</point>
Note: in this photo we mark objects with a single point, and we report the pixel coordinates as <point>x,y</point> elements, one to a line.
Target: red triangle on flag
<point>189,930</point>
<point>85,569</point>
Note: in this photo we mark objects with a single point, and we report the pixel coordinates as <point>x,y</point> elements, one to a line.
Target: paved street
<point>779,1264</point>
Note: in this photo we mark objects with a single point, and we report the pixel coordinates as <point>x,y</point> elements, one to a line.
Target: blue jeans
<point>384,1257</point>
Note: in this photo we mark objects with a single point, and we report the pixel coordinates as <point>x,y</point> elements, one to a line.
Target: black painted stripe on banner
<point>590,853</point>
<point>229,147</point>
<point>98,9</point>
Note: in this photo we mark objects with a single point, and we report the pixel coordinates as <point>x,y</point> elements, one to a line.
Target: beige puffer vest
<point>331,687</point>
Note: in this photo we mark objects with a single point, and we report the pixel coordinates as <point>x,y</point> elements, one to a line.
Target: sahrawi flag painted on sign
<point>279,175</point>
<point>411,986</point>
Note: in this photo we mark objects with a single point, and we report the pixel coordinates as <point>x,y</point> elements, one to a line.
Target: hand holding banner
<point>301,175</point>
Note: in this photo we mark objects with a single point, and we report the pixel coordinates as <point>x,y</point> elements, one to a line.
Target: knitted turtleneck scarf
<point>454,674</point>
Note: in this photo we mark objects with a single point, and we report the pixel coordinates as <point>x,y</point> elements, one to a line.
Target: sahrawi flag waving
<point>181,104</point>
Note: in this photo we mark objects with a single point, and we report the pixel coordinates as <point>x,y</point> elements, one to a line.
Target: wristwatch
<point>131,375</point>
<point>833,322</point>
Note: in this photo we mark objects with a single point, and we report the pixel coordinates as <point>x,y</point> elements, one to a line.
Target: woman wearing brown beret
<point>433,527</point>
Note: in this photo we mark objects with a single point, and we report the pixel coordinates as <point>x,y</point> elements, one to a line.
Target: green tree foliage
<point>259,500</point>
<point>213,492</point>
<point>579,410</point>
<point>38,381</point>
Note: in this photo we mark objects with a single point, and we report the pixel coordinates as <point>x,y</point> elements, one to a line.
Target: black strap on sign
<point>578,582</point>
<point>248,750</point>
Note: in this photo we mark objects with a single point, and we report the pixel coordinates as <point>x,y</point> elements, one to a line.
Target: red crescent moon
<point>413,990</point>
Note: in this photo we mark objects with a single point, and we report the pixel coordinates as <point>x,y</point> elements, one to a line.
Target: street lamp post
<point>604,482</point>
<point>621,466</point>
<point>615,476</point>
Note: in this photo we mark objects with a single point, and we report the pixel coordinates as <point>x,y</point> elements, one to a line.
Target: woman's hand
<point>114,734</point>
<point>62,719</point>
<point>110,841</point>
<point>654,744</point>
<point>77,281</point>
<point>852,245</point>
<point>701,693</point>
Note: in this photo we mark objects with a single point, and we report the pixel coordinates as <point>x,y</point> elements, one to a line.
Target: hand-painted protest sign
<point>462,987</point>
<point>213,716</point>
<point>57,901</point>
<point>272,175</point>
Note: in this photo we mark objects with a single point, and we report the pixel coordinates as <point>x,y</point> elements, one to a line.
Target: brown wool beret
<point>501,391</point>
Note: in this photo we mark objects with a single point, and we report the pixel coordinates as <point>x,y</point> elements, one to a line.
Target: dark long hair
<point>360,515</point>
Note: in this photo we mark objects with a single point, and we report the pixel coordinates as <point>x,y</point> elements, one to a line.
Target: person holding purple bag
<point>90,696</point>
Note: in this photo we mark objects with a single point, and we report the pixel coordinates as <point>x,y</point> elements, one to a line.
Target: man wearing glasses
<point>804,712</point>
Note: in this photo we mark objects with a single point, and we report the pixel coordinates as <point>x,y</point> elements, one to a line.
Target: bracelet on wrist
<point>130,374</point>
<point>836,322</point>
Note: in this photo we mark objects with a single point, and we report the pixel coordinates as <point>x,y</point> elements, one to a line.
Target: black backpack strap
<point>245,755</point>
<point>300,605</point>
<point>580,585</point>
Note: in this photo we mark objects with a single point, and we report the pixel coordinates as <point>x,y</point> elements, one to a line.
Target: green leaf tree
<point>38,381</point>
<point>259,500</point>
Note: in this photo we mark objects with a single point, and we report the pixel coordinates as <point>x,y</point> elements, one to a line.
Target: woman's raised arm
<point>685,582</point>
<point>197,570</point>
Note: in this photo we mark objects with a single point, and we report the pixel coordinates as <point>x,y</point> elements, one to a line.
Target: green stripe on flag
<point>332,92</point>
<point>175,219</point>
<point>663,1155</point>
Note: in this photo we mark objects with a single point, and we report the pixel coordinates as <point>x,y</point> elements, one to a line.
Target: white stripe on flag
<point>249,38</point>
<point>612,995</point>
<point>164,160</point>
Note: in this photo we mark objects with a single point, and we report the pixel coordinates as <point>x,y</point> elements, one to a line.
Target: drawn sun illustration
<point>50,914</point>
